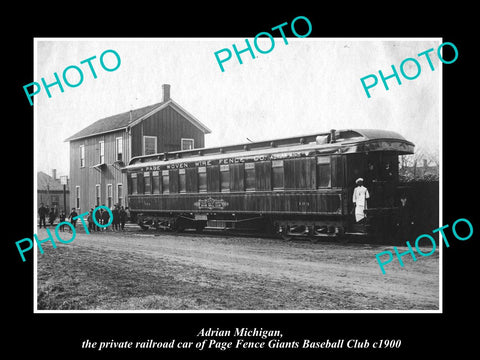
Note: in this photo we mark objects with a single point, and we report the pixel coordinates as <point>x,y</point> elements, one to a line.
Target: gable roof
<point>46,182</point>
<point>130,118</point>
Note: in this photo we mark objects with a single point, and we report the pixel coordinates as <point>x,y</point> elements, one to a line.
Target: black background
<point>62,334</point>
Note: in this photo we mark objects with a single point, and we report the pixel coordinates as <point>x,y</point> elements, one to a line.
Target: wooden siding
<point>192,180</point>
<point>169,127</point>
<point>53,198</point>
<point>300,173</point>
<point>300,195</point>
<point>338,171</point>
<point>300,202</point>
<point>263,175</point>
<point>87,177</point>
<point>237,177</point>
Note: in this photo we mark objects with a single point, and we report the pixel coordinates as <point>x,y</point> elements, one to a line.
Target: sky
<point>307,86</point>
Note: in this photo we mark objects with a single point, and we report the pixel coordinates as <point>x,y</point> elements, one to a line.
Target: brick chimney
<point>166,92</point>
<point>54,174</point>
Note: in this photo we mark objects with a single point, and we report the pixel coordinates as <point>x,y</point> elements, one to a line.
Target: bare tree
<point>422,165</point>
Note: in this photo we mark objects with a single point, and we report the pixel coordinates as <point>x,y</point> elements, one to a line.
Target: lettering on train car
<point>177,166</point>
<point>152,168</point>
<point>231,161</point>
<point>203,163</point>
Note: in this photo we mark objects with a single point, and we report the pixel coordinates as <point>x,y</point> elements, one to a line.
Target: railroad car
<point>298,186</point>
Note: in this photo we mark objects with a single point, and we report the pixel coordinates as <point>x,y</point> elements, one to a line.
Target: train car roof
<point>319,142</point>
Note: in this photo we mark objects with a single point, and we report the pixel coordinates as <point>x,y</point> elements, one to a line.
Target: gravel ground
<point>146,271</point>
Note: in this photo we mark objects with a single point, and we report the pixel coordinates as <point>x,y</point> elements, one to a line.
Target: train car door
<point>356,165</point>
<point>381,178</point>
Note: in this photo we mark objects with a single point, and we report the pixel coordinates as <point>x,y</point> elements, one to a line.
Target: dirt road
<point>189,272</point>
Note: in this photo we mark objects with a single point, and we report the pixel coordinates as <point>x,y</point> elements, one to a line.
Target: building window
<point>202,179</point>
<point>97,195</point>
<point>165,181</point>
<point>155,182</point>
<point>187,144</point>
<point>147,183</point>
<point>324,172</point>
<point>102,152</point>
<point>278,180</point>
<point>119,148</point>
<point>149,145</point>
<point>109,195</point>
<point>82,155</point>
<point>119,194</point>
<point>182,184</point>
<point>224,178</point>
<point>77,196</point>
<point>133,182</point>
<point>250,176</point>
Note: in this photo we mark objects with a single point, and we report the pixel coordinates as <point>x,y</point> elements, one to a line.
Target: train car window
<point>202,179</point>
<point>173,184</point>
<point>140,183</point>
<point>165,181</point>
<point>389,168</point>
<point>338,170</point>
<point>213,178</point>
<point>224,178</point>
<point>278,179</point>
<point>147,182</point>
<point>156,182</point>
<point>237,177</point>
<point>324,172</point>
<point>263,175</point>
<point>182,181</point>
<point>191,180</point>
<point>300,173</point>
<point>381,166</point>
<point>356,167</point>
<point>250,176</point>
<point>133,183</point>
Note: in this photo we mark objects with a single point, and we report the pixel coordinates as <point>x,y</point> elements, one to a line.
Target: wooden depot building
<point>99,151</point>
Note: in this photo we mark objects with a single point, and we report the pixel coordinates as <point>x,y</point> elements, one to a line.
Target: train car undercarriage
<point>378,222</point>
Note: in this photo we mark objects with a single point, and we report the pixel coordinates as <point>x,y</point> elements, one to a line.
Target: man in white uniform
<point>360,196</point>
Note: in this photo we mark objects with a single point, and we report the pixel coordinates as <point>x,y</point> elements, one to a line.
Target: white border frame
<point>220,39</point>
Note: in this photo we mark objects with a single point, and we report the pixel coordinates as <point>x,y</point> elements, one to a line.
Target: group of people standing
<point>44,211</point>
<point>120,215</point>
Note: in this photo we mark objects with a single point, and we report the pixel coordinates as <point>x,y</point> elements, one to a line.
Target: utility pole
<point>63,181</point>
